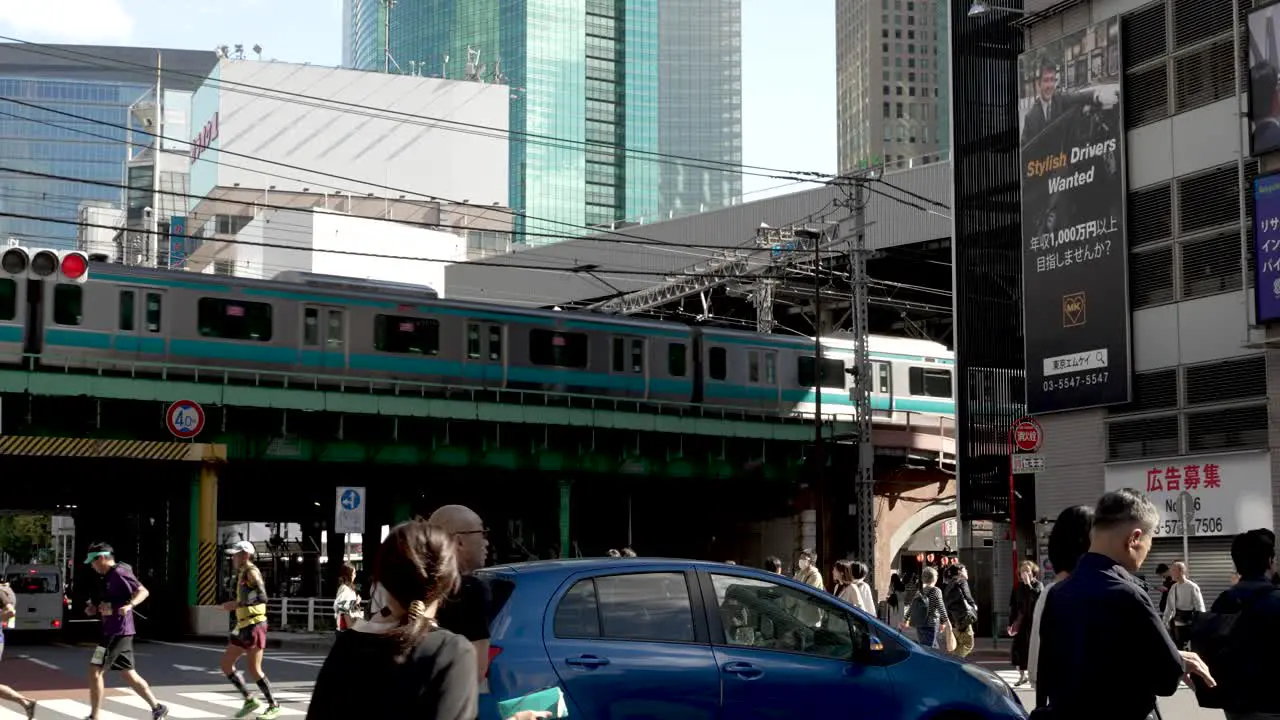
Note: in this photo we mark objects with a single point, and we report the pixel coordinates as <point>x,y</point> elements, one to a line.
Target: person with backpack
<point>1238,637</point>
<point>927,612</point>
<point>962,609</point>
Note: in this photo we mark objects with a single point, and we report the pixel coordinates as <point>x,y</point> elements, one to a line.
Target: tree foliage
<point>22,537</point>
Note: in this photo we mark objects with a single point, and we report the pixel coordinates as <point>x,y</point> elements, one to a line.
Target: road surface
<point>183,676</point>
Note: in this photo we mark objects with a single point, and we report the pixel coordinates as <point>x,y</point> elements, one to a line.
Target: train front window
<point>473,341</point>
<point>153,313</point>
<point>832,373</point>
<point>558,349</point>
<point>8,299</point>
<point>407,335</point>
<point>495,343</point>
<point>311,327</point>
<point>930,383</point>
<point>753,366</point>
<point>68,304</point>
<point>233,319</point>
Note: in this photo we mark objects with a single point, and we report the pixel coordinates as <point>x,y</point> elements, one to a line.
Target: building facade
<point>74,125</point>
<point>1201,374</point>
<point>598,91</point>
<point>892,83</point>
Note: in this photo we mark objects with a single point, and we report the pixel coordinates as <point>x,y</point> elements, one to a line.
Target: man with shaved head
<point>467,612</point>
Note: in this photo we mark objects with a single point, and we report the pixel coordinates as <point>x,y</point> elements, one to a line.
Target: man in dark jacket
<point>962,609</point>
<point>1104,651</point>
<point>1248,677</point>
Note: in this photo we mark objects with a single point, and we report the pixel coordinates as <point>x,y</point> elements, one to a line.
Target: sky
<point>788,71</point>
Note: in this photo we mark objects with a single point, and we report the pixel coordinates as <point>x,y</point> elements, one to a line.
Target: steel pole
<point>1013,506</point>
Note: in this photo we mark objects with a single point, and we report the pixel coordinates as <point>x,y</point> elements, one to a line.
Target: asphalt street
<point>184,676</point>
<point>1182,706</point>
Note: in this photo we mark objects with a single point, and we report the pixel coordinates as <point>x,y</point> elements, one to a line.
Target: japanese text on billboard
<point>1266,238</point>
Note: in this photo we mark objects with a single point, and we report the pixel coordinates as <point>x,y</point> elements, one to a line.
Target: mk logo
<point>1073,314</point>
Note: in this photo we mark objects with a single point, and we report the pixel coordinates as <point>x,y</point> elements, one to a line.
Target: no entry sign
<point>1027,435</point>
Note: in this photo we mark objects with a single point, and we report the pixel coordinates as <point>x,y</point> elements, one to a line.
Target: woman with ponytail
<point>399,663</point>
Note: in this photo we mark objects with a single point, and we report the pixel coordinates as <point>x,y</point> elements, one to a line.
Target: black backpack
<point>959,611</point>
<point>1224,640</point>
<point>918,613</point>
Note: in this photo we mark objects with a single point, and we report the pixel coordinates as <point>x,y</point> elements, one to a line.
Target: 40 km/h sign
<point>185,419</point>
<point>1027,435</point>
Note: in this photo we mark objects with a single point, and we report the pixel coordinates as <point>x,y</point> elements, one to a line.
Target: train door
<point>140,319</point>
<point>628,366</point>
<point>769,376</point>
<point>485,353</point>
<point>882,385</point>
<point>324,338</point>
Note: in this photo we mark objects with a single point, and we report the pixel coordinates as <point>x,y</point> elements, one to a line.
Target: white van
<point>41,600</point>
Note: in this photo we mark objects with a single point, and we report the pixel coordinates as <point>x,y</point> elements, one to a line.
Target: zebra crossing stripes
<point>179,712</point>
<point>228,700</point>
<point>182,706</point>
<point>75,709</point>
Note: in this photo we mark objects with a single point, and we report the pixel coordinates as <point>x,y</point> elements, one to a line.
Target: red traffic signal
<point>75,267</point>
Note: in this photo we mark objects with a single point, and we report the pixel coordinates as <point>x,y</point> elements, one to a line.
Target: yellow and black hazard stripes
<point>207,575</point>
<point>30,446</point>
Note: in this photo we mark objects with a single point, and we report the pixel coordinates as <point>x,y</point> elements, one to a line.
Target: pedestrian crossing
<point>1011,677</point>
<point>195,705</point>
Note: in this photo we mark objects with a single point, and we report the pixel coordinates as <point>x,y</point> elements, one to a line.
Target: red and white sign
<point>1229,493</point>
<point>185,419</point>
<point>1027,435</point>
<point>206,137</point>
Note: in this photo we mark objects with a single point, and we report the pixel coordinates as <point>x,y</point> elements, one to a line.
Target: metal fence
<point>312,615</point>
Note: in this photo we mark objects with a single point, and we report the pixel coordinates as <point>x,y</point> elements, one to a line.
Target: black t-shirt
<point>467,612</point>
<point>361,678</point>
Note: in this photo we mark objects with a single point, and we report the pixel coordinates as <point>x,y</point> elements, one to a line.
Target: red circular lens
<point>74,266</point>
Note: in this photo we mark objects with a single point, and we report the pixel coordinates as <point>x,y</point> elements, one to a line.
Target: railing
<point>311,615</point>
<point>316,382</point>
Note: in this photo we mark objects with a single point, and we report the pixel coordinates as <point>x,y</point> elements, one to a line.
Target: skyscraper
<point>892,82</point>
<point>599,90</point>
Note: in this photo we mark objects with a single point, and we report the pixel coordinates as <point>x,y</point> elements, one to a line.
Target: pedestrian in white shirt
<point>1185,605</point>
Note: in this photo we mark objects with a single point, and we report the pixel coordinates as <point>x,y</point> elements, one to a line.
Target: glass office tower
<point>598,89</point>
<point>93,82</point>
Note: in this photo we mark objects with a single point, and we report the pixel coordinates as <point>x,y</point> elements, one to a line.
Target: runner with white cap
<point>250,636</point>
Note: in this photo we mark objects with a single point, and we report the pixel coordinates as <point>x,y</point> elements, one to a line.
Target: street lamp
<point>981,8</point>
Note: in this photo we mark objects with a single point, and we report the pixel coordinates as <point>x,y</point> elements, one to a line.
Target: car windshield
<point>499,586</point>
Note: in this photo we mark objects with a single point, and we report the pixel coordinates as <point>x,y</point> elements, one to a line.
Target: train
<point>309,329</point>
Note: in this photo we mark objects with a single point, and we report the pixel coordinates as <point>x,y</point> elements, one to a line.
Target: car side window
<point>634,606</point>
<point>768,616</point>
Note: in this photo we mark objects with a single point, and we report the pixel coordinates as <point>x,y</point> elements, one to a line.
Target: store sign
<point>1228,494</point>
<point>206,137</point>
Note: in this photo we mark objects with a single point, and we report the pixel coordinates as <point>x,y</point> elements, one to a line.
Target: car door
<point>628,645</point>
<point>776,661</point>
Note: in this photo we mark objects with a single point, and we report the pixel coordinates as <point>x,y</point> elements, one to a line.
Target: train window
<point>619,361</point>
<point>234,319</point>
<point>832,372</point>
<point>153,313</point>
<point>753,366</point>
<point>310,327</point>
<point>495,343</point>
<point>68,304</point>
<point>882,378</point>
<point>930,383</point>
<point>8,299</point>
<point>771,368</point>
<point>718,361</point>
<point>126,310</point>
<point>558,349</point>
<point>473,341</point>
<point>415,336</point>
<point>334,339</point>
<point>637,356</point>
<point>677,359</point>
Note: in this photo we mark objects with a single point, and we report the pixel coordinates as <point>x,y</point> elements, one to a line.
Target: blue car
<point>632,638</point>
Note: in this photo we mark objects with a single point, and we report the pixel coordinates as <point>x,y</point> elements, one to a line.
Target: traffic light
<point>68,266</point>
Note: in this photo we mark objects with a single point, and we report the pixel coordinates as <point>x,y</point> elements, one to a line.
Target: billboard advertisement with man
<point>1074,259</point>
<point>1264,75</point>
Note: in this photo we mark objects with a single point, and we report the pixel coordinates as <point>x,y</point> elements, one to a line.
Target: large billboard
<point>1266,245</point>
<point>1264,73</point>
<point>1075,288</point>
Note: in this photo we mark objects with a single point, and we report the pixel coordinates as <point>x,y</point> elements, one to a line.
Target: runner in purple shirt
<point>121,592</point>
<point>7,609</point>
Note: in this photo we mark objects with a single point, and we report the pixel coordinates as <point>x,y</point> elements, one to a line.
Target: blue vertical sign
<point>1266,245</point>
<point>178,244</point>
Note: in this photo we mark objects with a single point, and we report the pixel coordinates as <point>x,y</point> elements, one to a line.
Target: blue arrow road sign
<point>349,512</point>
<point>350,499</point>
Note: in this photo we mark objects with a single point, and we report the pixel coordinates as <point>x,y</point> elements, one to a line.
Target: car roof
<point>574,565</point>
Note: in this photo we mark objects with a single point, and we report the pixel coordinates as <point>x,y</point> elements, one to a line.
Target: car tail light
<point>494,652</point>
<point>57,624</point>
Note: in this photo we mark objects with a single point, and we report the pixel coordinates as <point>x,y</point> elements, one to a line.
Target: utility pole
<point>864,479</point>
<point>386,35</point>
<point>819,454</point>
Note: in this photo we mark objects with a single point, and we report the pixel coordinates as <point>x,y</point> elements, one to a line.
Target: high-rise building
<point>599,90</point>
<point>891,82</point>
<point>100,83</point>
